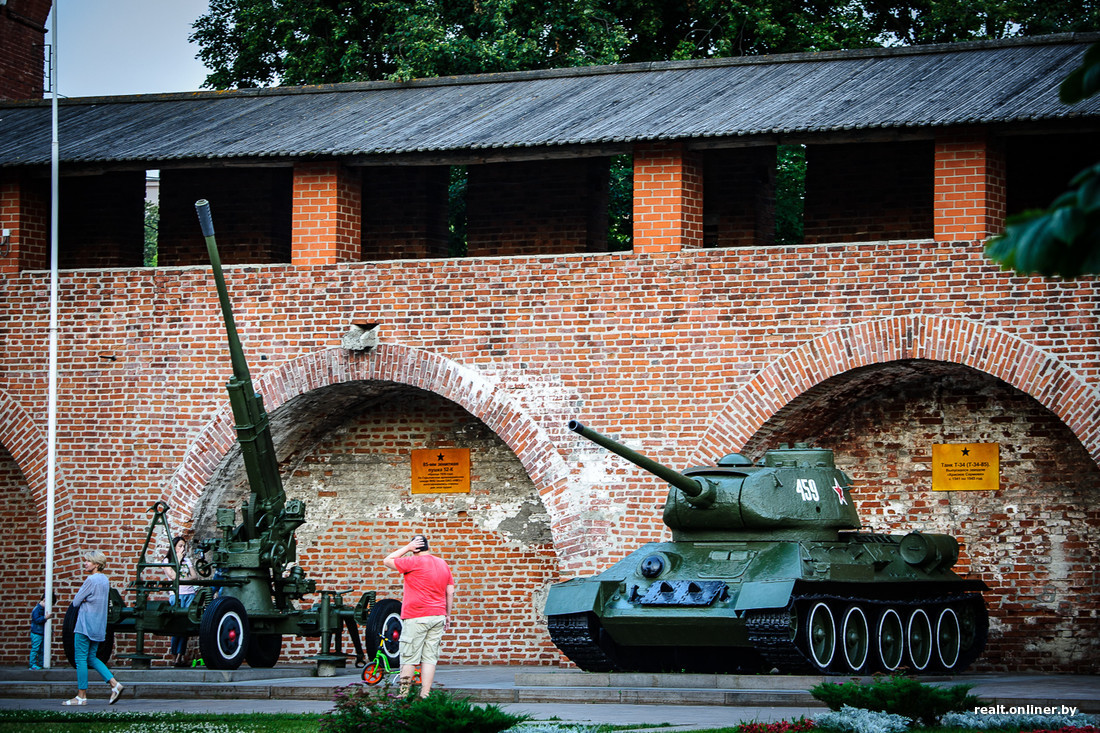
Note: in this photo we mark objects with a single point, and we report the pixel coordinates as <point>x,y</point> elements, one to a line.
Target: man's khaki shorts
<point>420,639</point>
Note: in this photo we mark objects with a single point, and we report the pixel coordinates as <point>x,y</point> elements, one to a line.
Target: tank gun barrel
<point>689,486</point>
<point>252,425</point>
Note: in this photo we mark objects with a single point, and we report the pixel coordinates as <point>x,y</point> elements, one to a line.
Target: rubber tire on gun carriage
<point>224,636</point>
<point>263,650</point>
<point>68,638</point>
<point>384,622</point>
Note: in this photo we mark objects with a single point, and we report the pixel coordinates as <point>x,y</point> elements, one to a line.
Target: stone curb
<point>637,696</point>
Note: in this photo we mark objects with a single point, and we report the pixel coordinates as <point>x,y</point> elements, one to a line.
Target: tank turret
<point>767,570</point>
<point>799,490</point>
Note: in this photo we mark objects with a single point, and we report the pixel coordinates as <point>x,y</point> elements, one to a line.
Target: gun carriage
<point>767,569</point>
<point>250,582</point>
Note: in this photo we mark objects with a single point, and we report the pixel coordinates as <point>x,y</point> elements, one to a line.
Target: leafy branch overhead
<point>249,43</point>
<point>1064,240</point>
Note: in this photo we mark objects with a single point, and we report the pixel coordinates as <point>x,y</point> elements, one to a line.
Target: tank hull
<point>857,604</point>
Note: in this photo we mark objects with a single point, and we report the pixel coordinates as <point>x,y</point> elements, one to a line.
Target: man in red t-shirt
<point>426,603</point>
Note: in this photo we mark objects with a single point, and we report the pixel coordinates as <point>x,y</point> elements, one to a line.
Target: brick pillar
<point>22,35</point>
<point>25,211</point>
<point>668,198</point>
<point>327,206</point>
<point>969,195</point>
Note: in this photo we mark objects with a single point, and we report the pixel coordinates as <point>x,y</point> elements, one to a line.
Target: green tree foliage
<point>790,193</point>
<point>259,42</point>
<point>1064,240</point>
<point>251,43</point>
<point>152,226</point>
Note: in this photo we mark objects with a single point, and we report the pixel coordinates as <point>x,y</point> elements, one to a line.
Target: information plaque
<point>966,467</point>
<point>441,471</point>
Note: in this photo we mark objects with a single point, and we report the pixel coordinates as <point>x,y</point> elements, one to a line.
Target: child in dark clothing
<point>38,629</point>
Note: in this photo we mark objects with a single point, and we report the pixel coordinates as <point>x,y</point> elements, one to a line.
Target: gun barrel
<point>688,485</point>
<point>253,429</point>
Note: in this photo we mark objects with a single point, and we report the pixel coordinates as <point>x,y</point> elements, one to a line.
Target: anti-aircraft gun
<point>245,600</point>
<point>767,570</point>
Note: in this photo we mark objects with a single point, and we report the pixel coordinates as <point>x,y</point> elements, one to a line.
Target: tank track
<point>769,630</point>
<point>577,636</point>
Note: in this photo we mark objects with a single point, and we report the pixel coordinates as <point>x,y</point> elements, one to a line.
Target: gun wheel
<point>224,634</point>
<point>384,622</point>
<point>68,638</point>
<point>263,650</point>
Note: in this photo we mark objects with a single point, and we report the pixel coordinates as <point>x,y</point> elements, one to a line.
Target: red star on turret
<point>839,491</point>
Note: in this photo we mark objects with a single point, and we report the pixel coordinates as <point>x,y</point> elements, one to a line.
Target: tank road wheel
<point>918,638</point>
<point>224,634</point>
<point>68,638</point>
<point>948,639</point>
<point>384,621</point>
<point>263,650</point>
<point>854,639</point>
<point>973,629</point>
<point>889,641</point>
<point>820,636</point>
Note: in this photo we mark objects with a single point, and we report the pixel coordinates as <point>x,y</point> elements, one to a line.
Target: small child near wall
<point>38,630</point>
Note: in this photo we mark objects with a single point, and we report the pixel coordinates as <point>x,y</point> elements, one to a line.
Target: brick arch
<point>398,364</point>
<point>27,445</point>
<point>1037,373</point>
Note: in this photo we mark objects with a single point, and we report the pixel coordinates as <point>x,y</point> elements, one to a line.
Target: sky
<point>107,47</point>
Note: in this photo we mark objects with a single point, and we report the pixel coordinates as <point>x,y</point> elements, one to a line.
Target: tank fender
<point>579,595</point>
<point>764,594</point>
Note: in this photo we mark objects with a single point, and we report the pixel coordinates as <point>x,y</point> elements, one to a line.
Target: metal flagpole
<point>51,413</point>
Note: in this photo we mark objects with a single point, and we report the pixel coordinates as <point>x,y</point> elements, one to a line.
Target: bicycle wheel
<point>395,680</point>
<point>373,673</point>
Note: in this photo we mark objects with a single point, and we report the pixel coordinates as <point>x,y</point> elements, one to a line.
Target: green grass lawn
<point>33,721</point>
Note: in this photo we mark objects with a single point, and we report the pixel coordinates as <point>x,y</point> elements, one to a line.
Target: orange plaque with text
<point>441,471</point>
<point>966,467</point>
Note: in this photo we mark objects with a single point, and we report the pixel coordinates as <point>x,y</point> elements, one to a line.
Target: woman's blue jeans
<point>84,655</point>
<point>179,643</point>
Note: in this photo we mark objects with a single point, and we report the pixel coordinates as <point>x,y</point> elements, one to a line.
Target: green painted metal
<point>766,568</point>
<point>246,599</point>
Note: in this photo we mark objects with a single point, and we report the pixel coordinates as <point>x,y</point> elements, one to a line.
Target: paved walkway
<point>683,702</point>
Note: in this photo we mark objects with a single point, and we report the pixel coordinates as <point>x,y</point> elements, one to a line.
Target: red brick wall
<point>568,214</point>
<point>970,196</point>
<point>25,210</point>
<point>405,212</point>
<point>866,192</point>
<point>250,207</point>
<point>668,198</point>
<point>739,197</point>
<point>685,356</point>
<point>356,486</point>
<point>101,220</point>
<point>326,214</point>
<point>22,36</point>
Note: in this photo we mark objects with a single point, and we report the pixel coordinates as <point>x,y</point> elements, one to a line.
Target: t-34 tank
<point>767,569</point>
